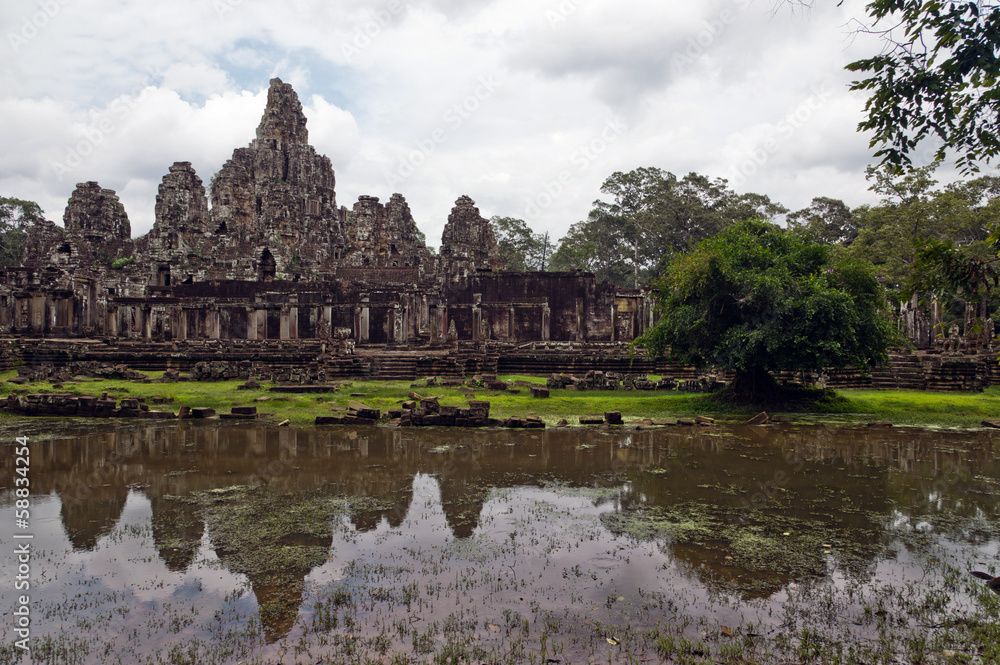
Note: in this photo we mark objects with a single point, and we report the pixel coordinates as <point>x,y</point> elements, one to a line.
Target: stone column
<point>283,324</point>
<point>580,324</point>
<point>293,323</point>
<point>546,322</point>
<point>251,323</point>
<point>434,320</point>
<point>391,319</point>
<point>364,321</point>
<point>614,322</point>
<point>477,317</point>
<point>213,324</point>
<point>113,321</point>
<point>511,330</point>
<point>147,323</point>
<point>261,324</point>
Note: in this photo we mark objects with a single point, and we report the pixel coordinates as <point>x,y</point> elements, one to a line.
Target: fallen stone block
<point>613,417</point>
<point>539,391</point>
<point>591,420</point>
<point>245,410</point>
<point>202,412</point>
<point>156,415</point>
<point>759,419</point>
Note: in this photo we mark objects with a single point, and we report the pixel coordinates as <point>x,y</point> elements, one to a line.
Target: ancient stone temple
<point>265,255</point>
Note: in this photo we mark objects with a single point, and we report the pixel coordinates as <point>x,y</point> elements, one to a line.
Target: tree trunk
<point>754,386</point>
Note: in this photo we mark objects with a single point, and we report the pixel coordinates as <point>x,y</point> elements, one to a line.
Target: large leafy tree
<point>16,216</point>
<point>646,216</point>
<point>756,298</point>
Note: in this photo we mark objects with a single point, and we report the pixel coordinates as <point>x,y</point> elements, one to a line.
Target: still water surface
<point>201,542</point>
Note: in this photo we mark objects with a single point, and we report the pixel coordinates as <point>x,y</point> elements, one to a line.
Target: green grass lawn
<point>903,407</point>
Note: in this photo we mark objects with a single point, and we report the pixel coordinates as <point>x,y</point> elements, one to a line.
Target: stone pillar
<point>293,323</point>
<point>213,324</point>
<point>614,322</point>
<point>391,323</point>
<point>113,321</point>
<point>511,330</point>
<point>283,324</point>
<point>261,324</point>
<point>580,323</point>
<point>546,322</point>
<point>180,330</point>
<point>36,314</point>
<point>477,317</point>
<point>251,323</point>
<point>147,323</point>
<point>365,316</point>
<point>434,321</point>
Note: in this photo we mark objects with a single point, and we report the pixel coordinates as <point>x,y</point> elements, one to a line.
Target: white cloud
<point>508,102</point>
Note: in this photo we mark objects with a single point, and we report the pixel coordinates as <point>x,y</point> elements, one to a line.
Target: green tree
<point>594,246</point>
<point>16,216</point>
<point>519,246</point>
<point>915,211</point>
<point>827,220</point>
<point>650,215</point>
<point>756,299</point>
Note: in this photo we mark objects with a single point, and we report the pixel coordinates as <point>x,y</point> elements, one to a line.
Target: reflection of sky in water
<point>533,549</point>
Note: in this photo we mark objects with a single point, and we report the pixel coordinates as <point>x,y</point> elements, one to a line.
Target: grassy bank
<point>901,407</point>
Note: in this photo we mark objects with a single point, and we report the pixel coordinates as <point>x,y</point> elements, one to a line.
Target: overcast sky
<point>527,106</point>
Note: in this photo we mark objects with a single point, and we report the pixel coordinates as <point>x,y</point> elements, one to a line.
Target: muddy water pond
<point>211,543</point>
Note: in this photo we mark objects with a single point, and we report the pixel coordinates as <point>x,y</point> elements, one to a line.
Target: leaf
<point>613,641</point>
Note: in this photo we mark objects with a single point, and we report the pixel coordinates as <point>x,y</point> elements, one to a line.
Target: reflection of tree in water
<point>724,512</point>
<point>275,539</point>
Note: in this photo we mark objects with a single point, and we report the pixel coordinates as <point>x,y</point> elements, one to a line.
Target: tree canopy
<point>756,298</point>
<point>650,215</point>
<point>16,215</point>
<point>520,247</point>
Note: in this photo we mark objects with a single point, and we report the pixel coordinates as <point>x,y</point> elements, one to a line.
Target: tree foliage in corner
<point>756,298</point>
<point>16,216</point>
<point>936,77</point>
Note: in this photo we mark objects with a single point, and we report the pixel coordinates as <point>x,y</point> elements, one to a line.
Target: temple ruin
<point>275,279</point>
<point>274,259</point>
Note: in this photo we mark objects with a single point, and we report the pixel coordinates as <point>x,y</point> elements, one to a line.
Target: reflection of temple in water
<point>877,470</point>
